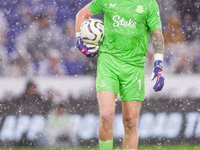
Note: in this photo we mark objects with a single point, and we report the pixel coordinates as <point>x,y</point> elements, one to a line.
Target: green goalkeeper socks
<point>106,145</point>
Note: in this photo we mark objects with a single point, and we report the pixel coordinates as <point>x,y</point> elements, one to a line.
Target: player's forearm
<point>81,16</point>
<point>158,41</point>
<point>79,20</point>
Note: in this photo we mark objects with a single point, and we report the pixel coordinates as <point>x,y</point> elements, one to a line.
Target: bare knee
<point>130,123</point>
<point>106,120</point>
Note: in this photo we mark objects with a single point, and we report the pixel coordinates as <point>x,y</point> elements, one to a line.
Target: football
<point>92,31</point>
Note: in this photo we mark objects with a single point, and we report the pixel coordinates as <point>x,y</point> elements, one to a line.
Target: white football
<point>92,31</point>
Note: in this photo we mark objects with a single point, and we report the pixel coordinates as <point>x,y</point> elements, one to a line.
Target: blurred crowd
<point>182,42</point>
<point>37,39</point>
<point>50,113</point>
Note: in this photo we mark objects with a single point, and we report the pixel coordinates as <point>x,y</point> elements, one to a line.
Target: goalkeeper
<point>121,60</point>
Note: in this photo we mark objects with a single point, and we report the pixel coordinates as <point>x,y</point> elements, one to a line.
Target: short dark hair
<point>29,84</point>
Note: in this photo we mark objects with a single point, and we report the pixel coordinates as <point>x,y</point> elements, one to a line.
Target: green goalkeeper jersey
<point>127,24</point>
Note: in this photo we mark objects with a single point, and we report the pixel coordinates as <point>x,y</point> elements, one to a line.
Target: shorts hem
<point>116,93</point>
<point>128,100</point>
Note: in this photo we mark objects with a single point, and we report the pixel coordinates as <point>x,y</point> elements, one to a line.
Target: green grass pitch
<point>181,147</point>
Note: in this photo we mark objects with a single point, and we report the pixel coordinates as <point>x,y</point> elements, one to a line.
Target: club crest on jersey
<point>118,21</point>
<point>139,9</point>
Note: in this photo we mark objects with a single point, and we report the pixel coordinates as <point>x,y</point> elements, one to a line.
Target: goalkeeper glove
<point>87,49</point>
<point>157,73</point>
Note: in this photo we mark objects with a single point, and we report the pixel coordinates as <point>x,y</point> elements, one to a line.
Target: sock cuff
<point>106,141</point>
<point>106,145</point>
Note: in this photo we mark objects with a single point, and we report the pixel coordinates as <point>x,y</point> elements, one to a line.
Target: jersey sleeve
<point>96,6</point>
<point>153,20</point>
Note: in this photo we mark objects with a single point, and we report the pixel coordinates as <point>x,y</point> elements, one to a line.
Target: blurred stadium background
<point>47,88</point>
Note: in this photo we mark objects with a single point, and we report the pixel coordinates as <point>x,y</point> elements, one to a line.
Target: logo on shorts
<point>158,13</point>
<point>139,9</point>
<point>102,83</point>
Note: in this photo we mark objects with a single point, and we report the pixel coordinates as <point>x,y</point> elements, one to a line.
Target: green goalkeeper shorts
<point>118,77</point>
